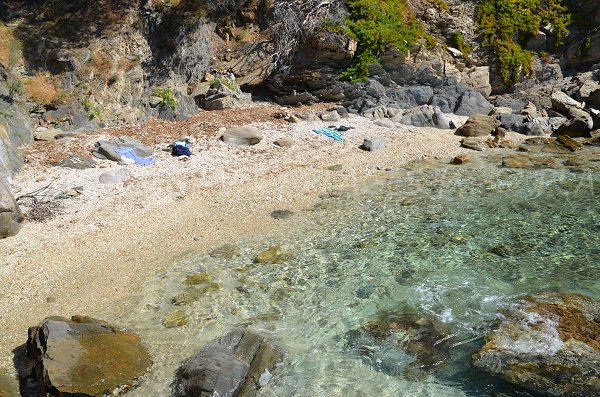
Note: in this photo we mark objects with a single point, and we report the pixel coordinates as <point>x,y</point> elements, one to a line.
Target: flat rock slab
<point>84,357</point>
<point>236,364</point>
<point>549,344</point>
<point>107,149</point>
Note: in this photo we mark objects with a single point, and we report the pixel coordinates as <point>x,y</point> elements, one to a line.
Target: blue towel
<point>328,132</point>
<point>129,153</point>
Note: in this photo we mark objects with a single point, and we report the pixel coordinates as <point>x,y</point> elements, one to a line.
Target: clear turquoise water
<point>452,244</point>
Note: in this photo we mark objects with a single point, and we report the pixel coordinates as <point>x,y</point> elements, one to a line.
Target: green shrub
<point>167,95</point>
<point>93,111</point>
<point>377,25</point>
<point>231,85</point>
<point>16,88</point>
<point>440,4</point>
<point>506,26</point>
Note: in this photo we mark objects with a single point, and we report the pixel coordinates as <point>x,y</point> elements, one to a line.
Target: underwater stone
<point>272,255</point>
<point>176,318</point>
<point>549,344</point>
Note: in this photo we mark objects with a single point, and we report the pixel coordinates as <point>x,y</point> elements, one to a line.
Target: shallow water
<point>452,244</point>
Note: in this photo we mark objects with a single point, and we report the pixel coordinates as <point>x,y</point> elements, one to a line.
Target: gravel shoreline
<point>94,257</point>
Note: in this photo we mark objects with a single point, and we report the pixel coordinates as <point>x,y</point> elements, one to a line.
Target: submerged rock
<point>549,344</point>
<point>237,364</point>
<point>272,255</point>
<point>176,318</point>
<point>84,357</point>
<point>398,343</point>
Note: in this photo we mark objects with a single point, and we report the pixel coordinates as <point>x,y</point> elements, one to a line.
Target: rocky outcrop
<point>11,217</point>
<point>84,357</point>
<point>237,364</point>
<point>223,93</point>
<point>549,344</point>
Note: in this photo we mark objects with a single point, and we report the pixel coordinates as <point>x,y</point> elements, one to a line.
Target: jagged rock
<point>426,116</point>
<point>478,78</point>
<point>478,125</point>
<point>84,357</point>
<point>242,136</point>
<point>472,102</point>
<point>549,344</point>
<point>500,110</point>
<point>237,364</point>
<point>373,144</point>
<point>186,108</point>
<point>11,218</point>
<point>580,123</point>
<point>106,149</point>
<point>561,102</point>
<point>512,122</point>
<point>569,143</point>
<point>224,94</point>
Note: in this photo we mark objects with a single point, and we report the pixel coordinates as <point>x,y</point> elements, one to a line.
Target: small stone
<point>284,142</point>
<point>335,167</point>
<point>272,255</point>
<point>461,159</point>
<point>373,144</point>
<point>281,214</point>
<point>176,318</point>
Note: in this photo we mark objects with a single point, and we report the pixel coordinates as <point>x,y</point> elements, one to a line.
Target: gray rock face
<point>478,125</point>
<point>373,144</point>
<point>426,116</point>
<point>11,217</point>
<point>236,364</point>
<point>549,344</point>
<point>83,357</point>
<point>472,102</point>
<point>106,149</point>
<point>186,108</point>
<point>242,136</point>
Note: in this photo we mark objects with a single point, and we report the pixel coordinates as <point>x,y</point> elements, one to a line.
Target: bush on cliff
<point>507,25</point>
<point>377,25</point>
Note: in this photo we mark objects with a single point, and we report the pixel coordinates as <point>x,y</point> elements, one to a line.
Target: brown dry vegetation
<point>102,65</point>
<point>10,48</point>
<point>41,88</point>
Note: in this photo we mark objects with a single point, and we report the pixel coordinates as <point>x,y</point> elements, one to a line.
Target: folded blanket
<point>328,132</point>
<point>128,153</point>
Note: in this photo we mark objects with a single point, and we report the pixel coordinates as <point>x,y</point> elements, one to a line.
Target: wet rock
<point>281,214</point>
<point>273,255</point>
<point>237,364</point>
<point>175,318</point>
<point>517,161</point>
<point>242,136</point>
<point>373,144</point>
<point>461,159</point>
<point>478,125</point>
<point>11,217</point>
<point>569,143</point>
<point>84,357</point>
<point>474,144</point>
<point>549,344</point>
<point>401,343</point>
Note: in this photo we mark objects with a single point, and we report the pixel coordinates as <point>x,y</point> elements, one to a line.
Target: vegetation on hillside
<point>507,25</point>
<point>377,25</point>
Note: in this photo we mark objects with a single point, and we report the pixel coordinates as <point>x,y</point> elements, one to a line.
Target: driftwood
<point>41,206</point>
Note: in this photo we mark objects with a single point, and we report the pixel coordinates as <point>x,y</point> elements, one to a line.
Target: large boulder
<point>11,217</point>
<point>472,102</point>
<point>579,124</point>
<point>549,344</point>
<point>478,125</point>
<point>237,364</point>
<point>242,136</point>
<point>426,116</point>
<point>84,357</point>
<point>561,102</point>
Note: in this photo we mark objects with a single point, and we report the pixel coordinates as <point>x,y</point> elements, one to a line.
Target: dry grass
<point>10,48</point>
<point>102,65</point>
<point>41,88</point>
